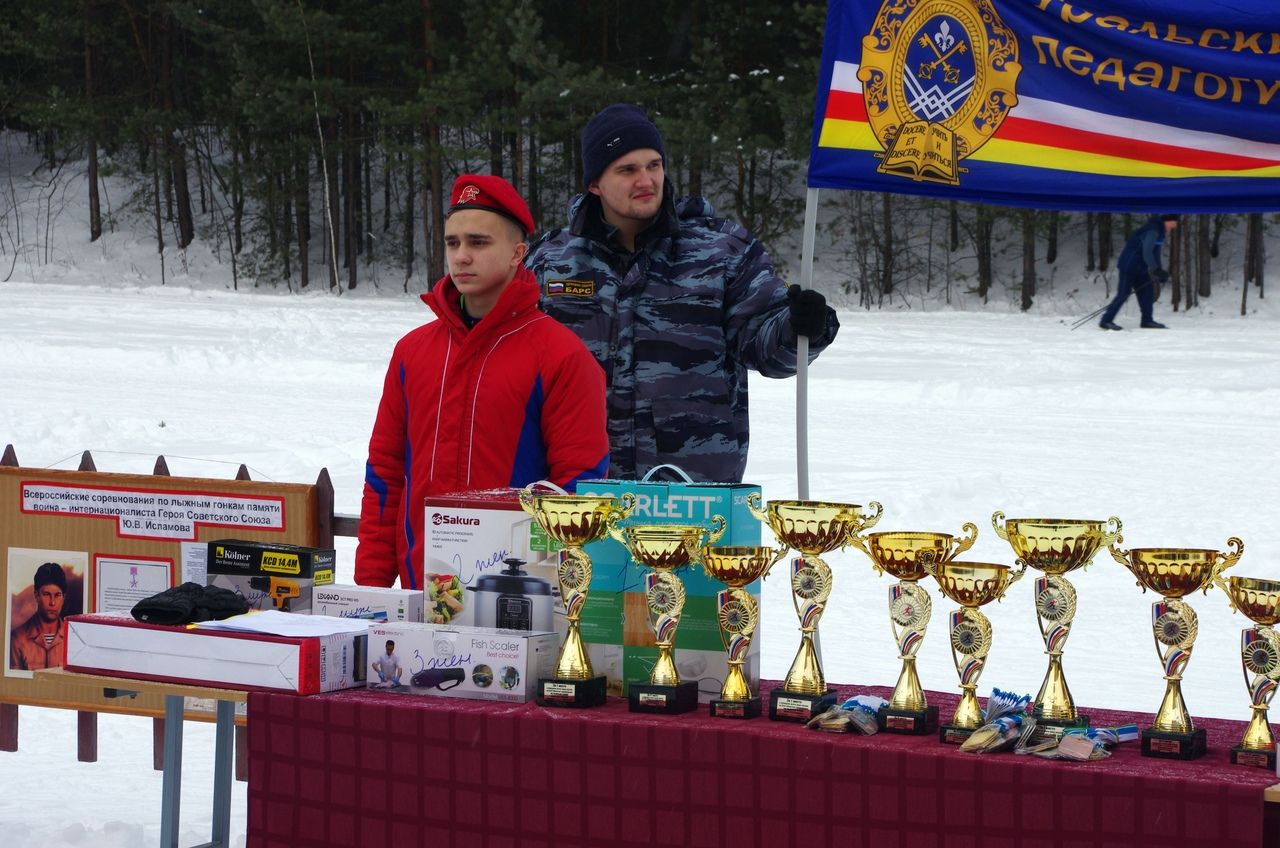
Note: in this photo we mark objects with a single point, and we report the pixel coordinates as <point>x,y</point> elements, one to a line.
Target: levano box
<point>459,662</point>
<point>115,644</point>
<point>375,603</point>
<point>269,575</point>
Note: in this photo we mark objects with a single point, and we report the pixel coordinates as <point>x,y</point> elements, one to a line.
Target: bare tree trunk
<point>303,206</point>
<point>409,206</point>
<point>886,244</point>
<point>332,201</point>
<point>982,245</point>
<point>1028,258</point>
<point>1204,279</point>
<point>1105,246</point>
<point>1051,250</point>
<point>953,224</point>
<point>95,209</point>
<point>1091,261</point>
<point>176,150</point>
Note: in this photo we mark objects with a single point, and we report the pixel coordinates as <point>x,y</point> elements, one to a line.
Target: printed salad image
<point>444,598</point>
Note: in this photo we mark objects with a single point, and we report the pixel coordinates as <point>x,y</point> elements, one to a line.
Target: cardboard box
<point>460,662</point>
<point>466,539</point>
<point>615,618</point>
<point>270,575</point>
<point>115,644</point>
<point>376,603</point>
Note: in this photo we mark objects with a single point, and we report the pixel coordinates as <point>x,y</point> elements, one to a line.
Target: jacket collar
<point>586,219</point>
<point>520,296</point>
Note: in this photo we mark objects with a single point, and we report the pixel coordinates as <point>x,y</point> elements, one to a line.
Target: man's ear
<point>594,187</point>
<point>522,250</point>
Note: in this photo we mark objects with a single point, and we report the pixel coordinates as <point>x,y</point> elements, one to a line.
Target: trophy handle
<point>753,505</point>
<point>1119,554</point>
<point>999,524</point>
<point>927,560</point>
<point>716,533</point>
<point>1110,535</point>
<point>858,523</point>
<point>526,494</point>
<point>861,544</point>
<point>777,555</point>
<point>626,503</point>
<point>1014,578</point>
<point>1217,580</point>
<point>611,523</point>
<point>960,544</point>
<point>1223,562</point>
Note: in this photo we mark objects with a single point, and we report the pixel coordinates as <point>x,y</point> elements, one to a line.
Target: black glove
<point>808,311</point>
<point>188,603</point>
<point>1160,275</point>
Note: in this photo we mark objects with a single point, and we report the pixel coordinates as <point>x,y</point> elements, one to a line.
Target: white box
<point>466,538</point>
<point>376,603</point>
<point>117,645</point>
<point>460,662</point>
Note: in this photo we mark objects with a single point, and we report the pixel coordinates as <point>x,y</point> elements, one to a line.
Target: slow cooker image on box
<point>513,600</point>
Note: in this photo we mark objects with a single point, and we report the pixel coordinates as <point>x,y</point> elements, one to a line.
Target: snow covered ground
<point>942,415</point>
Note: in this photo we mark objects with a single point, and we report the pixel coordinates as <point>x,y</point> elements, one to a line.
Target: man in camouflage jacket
<point>674,303</point>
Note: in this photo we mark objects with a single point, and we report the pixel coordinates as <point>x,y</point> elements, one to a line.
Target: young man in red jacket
<point>493,393</point>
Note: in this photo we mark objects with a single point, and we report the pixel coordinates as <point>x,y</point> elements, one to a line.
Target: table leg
<point>171,793</point>
<point>222,761</point>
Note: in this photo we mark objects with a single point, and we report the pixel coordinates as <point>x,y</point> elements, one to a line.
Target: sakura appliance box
<point>267,650</point>
<point>459,662</point>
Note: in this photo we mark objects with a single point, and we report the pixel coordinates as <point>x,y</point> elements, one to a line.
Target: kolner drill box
<point>270,576</point>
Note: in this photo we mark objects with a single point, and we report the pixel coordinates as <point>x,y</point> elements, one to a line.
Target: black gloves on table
<point>808,311</point>
<point>188,603</point>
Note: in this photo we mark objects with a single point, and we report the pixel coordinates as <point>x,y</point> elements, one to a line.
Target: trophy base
<point>559,692</point>
<point>736,709</point>
<point>668,700</point>
<point>1256,759</point>
<point>912,722</point>
<point>793,706</point>
<point>1173,746</point>
<point>950,734</point>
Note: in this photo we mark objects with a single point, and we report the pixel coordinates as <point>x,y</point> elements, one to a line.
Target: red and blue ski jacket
<point>515,399</point>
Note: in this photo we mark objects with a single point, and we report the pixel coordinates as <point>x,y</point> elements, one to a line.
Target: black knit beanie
<point>614,132</point>
<point>48,573</point>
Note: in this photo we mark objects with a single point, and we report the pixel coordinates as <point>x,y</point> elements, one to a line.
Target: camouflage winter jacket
<point>675,326</point>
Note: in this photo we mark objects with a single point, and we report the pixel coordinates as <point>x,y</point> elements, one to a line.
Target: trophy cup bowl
<point>1055,546</point>
<point>971,585</point>
<point>739,614</point>
<point>904,554</point>
<point>1175,573</point>
<point>812,528</point>
<point>574,521</point>
<point>663,548</point>
<point>815,527</point>
<point>1259,601</point>
<point>1255,599</point>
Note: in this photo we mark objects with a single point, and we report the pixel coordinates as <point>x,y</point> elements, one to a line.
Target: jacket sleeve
<point>383,485</point>
<point>573,417</point>
<point>1151,252</point>
<point>758,318</point>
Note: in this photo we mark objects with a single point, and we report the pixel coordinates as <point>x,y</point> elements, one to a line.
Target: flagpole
<point>802,349</point>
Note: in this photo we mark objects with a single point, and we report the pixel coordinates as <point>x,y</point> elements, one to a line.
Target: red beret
<point>493,194</point>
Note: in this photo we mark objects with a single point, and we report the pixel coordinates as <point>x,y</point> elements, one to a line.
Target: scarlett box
<point>459,662</point>
<point>117,645</point>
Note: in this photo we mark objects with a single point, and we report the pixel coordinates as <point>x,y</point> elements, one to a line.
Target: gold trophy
<point>903,555</point>
<point>971,585</point>
<point>664,548</point>
<point>574,521</point>
<point>1259,601</point>
<point>1175,573</point>
<point>812,528</point>
<point>1055,546</point>
<point>738,614</point>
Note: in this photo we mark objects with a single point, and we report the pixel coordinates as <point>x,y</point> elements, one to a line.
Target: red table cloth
<point>361,768</point>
